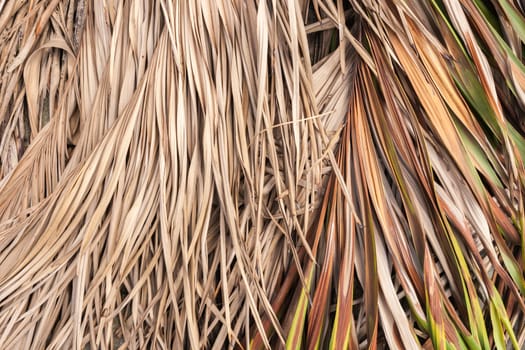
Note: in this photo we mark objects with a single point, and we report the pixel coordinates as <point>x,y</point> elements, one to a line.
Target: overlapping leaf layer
<point>317,174</point>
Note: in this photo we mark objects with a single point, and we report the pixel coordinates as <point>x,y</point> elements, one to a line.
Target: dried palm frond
<point>262,174</point>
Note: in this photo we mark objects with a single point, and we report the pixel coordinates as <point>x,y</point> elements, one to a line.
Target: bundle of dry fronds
<point>260,174</point>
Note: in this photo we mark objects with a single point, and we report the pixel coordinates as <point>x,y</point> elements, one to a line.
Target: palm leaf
<point>262,174</point>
